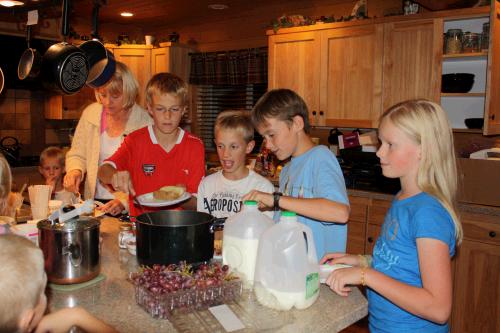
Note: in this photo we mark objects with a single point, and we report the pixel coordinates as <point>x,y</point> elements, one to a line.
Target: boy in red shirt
<point>160,154</point>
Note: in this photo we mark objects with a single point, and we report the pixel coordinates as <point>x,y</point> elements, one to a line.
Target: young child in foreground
<point>311,184</point>
<point>162,154</point>
<point>22,294</point>
<point>220,193</point>
<point>409,280</point>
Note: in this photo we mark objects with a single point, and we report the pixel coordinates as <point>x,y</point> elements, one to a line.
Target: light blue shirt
<point>317,174</point>
<point>395,254</point>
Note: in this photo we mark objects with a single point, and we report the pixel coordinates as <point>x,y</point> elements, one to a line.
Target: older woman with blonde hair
<point>100,131</point>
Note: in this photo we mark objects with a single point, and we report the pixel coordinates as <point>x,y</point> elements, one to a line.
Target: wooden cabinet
<point>412,61</point>
<point>356,226</point>
<point>338,72</point>
<point>492,104</point>
<point>294,63</point>
<point>351,75</point>
<point>138,59</point>
<point>476,305</point>
<point>68,106</point>
<point>376,215</point>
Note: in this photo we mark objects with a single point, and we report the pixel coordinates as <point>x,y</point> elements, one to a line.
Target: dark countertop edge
<point>463,207</point>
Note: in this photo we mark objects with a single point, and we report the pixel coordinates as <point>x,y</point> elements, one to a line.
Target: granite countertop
<point>113,301</point>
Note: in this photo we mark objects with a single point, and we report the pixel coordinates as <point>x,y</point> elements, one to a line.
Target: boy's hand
<point>263,199</point>
<point>340,258</point>
<point>72,181</point>
<point>121,182</point>
<point>113,207</point>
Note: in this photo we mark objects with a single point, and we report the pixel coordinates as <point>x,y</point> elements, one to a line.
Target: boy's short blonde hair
<point>22,278</point>
<point>122,82</point>
<point>52,152</point>
<point>166,83</point>
<point>235,120</point>
<point>281,104</point>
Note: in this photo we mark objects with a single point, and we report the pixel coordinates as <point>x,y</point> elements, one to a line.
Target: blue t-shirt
<point>317,174</point>
<point>395,255</point>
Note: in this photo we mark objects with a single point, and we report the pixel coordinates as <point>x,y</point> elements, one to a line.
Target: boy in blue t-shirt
<point>311,184</point>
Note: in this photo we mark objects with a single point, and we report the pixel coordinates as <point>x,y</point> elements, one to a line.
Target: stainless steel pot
<point>70,249</point>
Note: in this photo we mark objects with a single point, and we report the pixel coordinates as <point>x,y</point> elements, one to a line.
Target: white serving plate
<point>325,270</point>
<point>149,201</point>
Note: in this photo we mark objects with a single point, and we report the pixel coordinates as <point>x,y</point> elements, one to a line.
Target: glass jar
<point>453,41</point>
<point>470,42</point>
<point>126,233</point>
<point>485,37</point>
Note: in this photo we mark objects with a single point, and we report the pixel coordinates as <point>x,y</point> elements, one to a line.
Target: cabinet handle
<point>321,113</point>
<point>370,239</point>
<point>314,113</point>
<point>492,234</point>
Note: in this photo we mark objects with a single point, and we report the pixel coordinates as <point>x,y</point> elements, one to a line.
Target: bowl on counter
<point>457,82</point>
<point>474,123</point>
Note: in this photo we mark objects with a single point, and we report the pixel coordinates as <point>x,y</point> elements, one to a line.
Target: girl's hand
<point>113,207</point>
<point>72,181</point>
<point>263,199</point>
<point>121,182</point>
<point>340,258</point>
<point>340,278</point>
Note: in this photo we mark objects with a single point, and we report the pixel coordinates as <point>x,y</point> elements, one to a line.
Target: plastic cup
<point>149,39</point>
<point>39,200</point>
<point>29,231</point>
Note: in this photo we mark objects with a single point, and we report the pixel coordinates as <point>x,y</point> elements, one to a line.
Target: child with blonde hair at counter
<point>220,193</point>
<point>22,294</point>
<point>409,281</point>
<point>311,183</point>
<point>52,169</point>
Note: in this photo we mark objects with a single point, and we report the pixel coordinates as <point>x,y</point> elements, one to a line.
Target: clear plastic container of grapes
<point>164,293</point>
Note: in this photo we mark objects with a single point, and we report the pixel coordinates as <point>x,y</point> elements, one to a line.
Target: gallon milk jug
<point>240,242</point>
<point>287,270</point>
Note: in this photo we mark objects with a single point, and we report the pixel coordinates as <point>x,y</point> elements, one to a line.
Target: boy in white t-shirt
<point>220,193</point>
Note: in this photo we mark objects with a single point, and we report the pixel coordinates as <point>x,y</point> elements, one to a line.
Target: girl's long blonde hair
<point>427,124</point>
<point>5,185</point>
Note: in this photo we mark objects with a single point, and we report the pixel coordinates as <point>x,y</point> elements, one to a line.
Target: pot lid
<point>81,223</point>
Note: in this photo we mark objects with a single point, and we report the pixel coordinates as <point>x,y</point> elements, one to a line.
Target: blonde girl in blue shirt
<point>409,281</point>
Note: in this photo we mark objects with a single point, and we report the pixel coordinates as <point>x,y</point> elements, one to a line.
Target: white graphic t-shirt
<point>221,197</point>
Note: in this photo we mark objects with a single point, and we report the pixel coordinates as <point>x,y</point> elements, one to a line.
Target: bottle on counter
<point>240,241</point>
<point>126,233</point>
<point>287,270</point>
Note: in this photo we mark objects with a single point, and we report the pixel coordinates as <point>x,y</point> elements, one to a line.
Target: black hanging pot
<point>64,66</point>
<point>171,236</point>
<point>101,61</point>
<point>31,60</point>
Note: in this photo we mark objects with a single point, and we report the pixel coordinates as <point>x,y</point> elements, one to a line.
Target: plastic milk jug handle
<point>311,249</point>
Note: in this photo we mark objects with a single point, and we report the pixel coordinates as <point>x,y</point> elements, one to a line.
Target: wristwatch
<point>276,198</point>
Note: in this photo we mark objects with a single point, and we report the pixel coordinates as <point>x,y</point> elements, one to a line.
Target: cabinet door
<point>412,61</point>
<point>356,226</point>
<point>492,111</point>
<point>351,75</point>
<point>294,64</point>
<point>372,233</point>
<point>477,288</point>
<point>173,59</point>
<point>139,62</point>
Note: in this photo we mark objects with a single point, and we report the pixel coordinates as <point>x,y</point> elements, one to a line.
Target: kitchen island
<point>113,301</point>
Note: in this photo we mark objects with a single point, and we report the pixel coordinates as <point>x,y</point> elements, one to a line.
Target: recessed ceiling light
<point>126,14</point>
<point>218,6</point>
<point>7,3</point>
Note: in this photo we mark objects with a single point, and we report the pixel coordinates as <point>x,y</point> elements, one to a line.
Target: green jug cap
<point>288,214</point>
<point>250,203</point>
